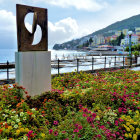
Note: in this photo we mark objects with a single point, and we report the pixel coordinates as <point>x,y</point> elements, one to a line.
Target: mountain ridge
<point>129,23</point>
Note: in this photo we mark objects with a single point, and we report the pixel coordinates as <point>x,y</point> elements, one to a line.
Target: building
<point>118,33</point>
<point>113,37</point>
<point>137,30</point>
<point>100,39</point>
<point>107,39</point>
<point>125,31</point>
<point>134,39</point>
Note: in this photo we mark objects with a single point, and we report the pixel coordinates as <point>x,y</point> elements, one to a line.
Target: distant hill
<point>129,23</point>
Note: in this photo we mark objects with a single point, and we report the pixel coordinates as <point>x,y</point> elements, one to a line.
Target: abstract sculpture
<point>25,38</point>
<point>33,62</point>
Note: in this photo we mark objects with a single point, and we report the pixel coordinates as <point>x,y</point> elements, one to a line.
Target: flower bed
<point>80,106</point>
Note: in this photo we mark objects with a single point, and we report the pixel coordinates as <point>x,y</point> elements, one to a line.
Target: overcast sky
<point>67,19</point>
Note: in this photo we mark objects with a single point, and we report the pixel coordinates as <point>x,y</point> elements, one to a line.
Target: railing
<point>106,62</point>
<point>122,63</point>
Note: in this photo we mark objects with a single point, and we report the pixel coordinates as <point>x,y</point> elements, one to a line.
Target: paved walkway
<point>136,68</point>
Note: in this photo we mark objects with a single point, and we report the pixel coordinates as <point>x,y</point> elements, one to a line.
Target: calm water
<point>62,55</point>
<point>9,55</point>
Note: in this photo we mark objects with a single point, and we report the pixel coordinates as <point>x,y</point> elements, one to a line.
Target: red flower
<point>50,131</point>
<point>55,133</point>
<point>55,122</point>
<point>93,115</point>
<point>85,110</point>
<point>80,127</point>
<point>76,130</point>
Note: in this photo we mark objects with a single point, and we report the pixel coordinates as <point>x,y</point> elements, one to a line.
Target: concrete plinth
<point>33,71</point>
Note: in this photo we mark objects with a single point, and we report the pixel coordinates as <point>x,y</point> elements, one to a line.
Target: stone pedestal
<point>33,71</point>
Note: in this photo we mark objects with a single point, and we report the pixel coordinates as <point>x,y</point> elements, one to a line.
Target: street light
<point>130,34</point>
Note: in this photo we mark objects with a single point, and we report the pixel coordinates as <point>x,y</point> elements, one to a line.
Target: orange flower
<point>0,131</point>
<point>29,113</point>
<point>18,105</point>
<point>10,139</point>
<point>43,112</point>
<point>22,100</point>
<point>45,100</point>
<point>6,125</point>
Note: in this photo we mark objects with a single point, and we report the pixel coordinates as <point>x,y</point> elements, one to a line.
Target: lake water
<point>9,55</point>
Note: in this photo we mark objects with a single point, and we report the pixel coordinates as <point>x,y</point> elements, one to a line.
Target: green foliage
<point>135,49</point>
<point>117,42</point>
<point>80,106</point>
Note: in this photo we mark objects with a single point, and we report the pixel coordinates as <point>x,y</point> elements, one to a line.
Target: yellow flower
<point>132,128</point>
<point>136,116</point>
<point>131,121</point>
<point>135,137</point>
<point>128,129</point>
<point>97,117</point>
<point>17,132</point>
<point>10,128</point>
<point>124,126</point>
<point>137,112</point>
<point>42,135</point>
<point>126,135</point>
<point>127,123</point>
<point>130,135</point>
<point>135,123</point>
<point>128,117</point>
<point>123,117</point>
<point>137,129</point>
<point>26,130</point>
<point>22,129</point>
<point>19,123</point>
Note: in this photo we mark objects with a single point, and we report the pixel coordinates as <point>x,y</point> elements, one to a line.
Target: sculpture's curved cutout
<point>37,36</point>
<point>30,22</point>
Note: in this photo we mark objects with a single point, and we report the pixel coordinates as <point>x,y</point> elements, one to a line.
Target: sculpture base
<point>33,71</point>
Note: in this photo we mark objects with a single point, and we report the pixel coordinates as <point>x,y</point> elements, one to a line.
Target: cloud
<point>8,21</point>
<point>7,29</point>
<point>59,32</point>
<point>1,1</point>
<point>87,5</point>
<point>62,30</point>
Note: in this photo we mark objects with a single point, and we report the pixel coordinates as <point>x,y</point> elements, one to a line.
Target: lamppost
<point>130,34</point>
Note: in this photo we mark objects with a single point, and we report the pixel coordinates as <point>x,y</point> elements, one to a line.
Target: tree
<point>87,44</point>
<point>134,49</point>
<point>119,38</point>
<point>117,42</point>
<point>90,41</point>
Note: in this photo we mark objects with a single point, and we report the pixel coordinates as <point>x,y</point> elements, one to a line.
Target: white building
<point>137,30</point>
<point>134,39</point>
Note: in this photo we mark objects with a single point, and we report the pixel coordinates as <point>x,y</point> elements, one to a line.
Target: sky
<point>67,19</point>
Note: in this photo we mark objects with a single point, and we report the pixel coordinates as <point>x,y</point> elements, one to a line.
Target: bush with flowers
<point>104,106</point>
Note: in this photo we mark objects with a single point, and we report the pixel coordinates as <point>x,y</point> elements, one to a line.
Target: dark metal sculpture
<point>24,37</point>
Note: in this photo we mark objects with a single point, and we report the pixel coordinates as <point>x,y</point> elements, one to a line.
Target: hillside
<point>129,23</point>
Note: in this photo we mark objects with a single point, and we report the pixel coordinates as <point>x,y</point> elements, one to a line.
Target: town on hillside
<point>118,41</point>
